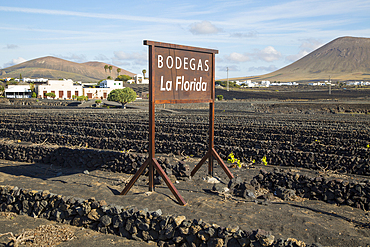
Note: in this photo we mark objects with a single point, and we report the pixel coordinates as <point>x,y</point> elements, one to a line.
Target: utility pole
<point>329,86</point>
<point>227,69</point>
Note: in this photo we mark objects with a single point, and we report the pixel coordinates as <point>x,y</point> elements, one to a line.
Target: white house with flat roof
<point>18,91</point>
<point>139,79</point>
<point>111,84</point>
<point>63,89</point>
<point>102,92</point>
<point>97,93</point>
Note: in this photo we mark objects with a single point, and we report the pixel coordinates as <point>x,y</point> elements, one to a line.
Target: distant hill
<point>345,58</point>
<point>56,68</point>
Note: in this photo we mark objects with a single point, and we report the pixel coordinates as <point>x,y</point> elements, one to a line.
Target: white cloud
<point>123,58</point>
<point>230,68</point>
<point>295,57</point>
<point>14,62</point>
<point>11,46</point>
<point>101,57</point>
<point>263,68</point>
<point>94,15</point>
<point>268,54</point>
<point>204,27</point>
<point>306,47</point>
<point>250,34</point>
<point>237,57</point>
<point>74,57</point>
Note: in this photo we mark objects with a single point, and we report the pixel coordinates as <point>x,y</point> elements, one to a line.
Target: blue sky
<point>253,37</point>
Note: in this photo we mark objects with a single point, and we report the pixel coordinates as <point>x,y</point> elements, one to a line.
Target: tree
<point>118,71</point>
<point>110,68</point>
<point>52,95</point>
<point>144,71</point>
<point>109,77</point>
<point>82,98</point>
<point>123,78</point>
<point>123,96</point>
<point>34,95</point>
<point>106,67</point>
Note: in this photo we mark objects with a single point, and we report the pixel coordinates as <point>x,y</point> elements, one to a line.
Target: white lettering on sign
<point>183,63</point>
<point>178,63</point>
<point>167,86</point>
<point>183,85</point>
<point>160,61</point>
<point>169,62</point>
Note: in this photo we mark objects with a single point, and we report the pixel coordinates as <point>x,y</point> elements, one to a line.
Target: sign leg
<point>222,164</point>
<point>196,168</point>
<point>168,182</point>
<point>135,177</point>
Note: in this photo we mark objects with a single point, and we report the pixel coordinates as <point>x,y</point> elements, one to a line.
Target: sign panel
<point>181,74</point>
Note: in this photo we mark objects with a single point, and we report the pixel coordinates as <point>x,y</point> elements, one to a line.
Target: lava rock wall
<point>131,222</point>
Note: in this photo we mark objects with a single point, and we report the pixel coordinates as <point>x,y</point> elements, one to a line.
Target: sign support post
<point>179,74</point>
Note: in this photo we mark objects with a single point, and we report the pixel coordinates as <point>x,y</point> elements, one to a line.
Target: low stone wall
<point>132,223</point>
<point>350,159</point>
<point>287,184</point>
<point>87,158</point>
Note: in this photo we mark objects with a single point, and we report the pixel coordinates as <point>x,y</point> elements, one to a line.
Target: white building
<point>357,83</point>
<point>63,89</point>
<point>317,84</point>
<point>139,79</point>
<point>284,84</point>
<point>34,80</point>
<point>249,83</point>
<point>103,90</point>
<point>97,93</point>
<point>111,84</point>
<point>265,83</point>
<point>18,91</point>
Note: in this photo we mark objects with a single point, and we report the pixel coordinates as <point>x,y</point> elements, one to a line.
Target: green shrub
<point>52,95</point>
<point>82,98</point>
<point>220,97</point>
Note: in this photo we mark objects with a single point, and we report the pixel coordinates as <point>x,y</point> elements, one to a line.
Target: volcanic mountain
<point>345,58</point>
<point>56,68</point>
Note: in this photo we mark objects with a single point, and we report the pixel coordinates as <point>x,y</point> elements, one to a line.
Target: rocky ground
<point>311,221</point>
<point>311,143</point>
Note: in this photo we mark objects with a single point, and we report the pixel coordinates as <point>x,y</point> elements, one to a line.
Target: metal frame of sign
<point>207,95</point>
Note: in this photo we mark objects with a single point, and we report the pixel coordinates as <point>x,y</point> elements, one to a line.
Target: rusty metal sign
<point>179,74</point>
<point>182,74</point>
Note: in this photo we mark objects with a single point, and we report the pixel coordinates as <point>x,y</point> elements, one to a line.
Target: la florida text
<point>184,85</point>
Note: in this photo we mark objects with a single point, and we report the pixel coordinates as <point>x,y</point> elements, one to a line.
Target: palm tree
<point>118,71</point>
<point>110,68</point>
<point>144,71</point>
<point>106,67</point>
